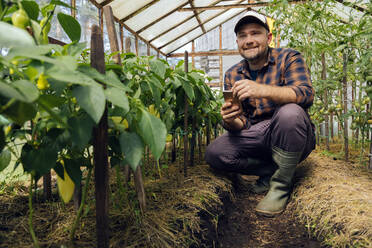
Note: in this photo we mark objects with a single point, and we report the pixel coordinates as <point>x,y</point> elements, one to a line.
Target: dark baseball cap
<point>252,17</point>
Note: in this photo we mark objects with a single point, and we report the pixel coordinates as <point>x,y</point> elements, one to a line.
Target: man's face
<point>253,41</point>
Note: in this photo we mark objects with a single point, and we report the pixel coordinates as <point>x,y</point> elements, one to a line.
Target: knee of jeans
<point>218,158</point>
<point>289,116</point>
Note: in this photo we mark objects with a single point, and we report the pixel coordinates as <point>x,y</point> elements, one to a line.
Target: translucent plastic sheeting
<point>57,31</point>
<point>123,8</point>
<point>87,16</point>
<point>182,41</point>
<point>222,18</point>
<point>208,26</point>
<point>152,13</point>
<point>165,24</point>
<point>174,33</point>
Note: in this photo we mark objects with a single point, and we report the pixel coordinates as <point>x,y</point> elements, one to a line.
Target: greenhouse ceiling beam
<point>104,3</point>
<point>161,18</point>
<point>207,31</point>
<point>208,53</point>
<point>140,37</point>
<point>139,11</point>
<point>197,15</point>
<point>247,5</point>
<point>354,6</point>
<point>129,29</point>
<point>179,24</point>
<point>190,30</point>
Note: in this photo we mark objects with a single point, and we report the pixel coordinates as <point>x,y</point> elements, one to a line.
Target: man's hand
<point>230,114</point>
<point>246,88</point>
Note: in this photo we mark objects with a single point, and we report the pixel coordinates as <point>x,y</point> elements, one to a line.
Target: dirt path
<point>242,228</point>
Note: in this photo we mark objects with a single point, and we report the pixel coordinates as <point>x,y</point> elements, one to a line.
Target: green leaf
<point>153,132</point>
<point>117,97</point>
<point>187,87</point>
<point>14,36</point>
<point>4,121</point>
<point>59,170</point>
<point>340,48</point>
<point>21,90</point>
<point>176,82</point>
<point>158,68</point>
<point>132,147</point>
<point>27,89</point>
<point>60,3</point>
<point>70,26</point>
<point>81,130</point>
<point>2,138</point>
<point>73,170</point>
<point>51,101</point>
<point>5,157</point>
<point>31,8</point>
<point>37,31</point>
<point>20,112</point>
<point>68,76</point>
<point>40,160</point>
<point>92,99</point>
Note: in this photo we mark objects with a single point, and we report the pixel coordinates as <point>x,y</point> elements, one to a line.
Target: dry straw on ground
<point>335,202</point>
<point>181,213</point>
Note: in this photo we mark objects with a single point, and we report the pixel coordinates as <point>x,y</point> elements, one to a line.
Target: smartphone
<point>228,96</point>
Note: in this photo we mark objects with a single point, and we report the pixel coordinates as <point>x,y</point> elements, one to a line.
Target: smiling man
<point>272,132</point>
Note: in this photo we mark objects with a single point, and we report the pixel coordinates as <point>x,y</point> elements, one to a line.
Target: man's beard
<point>258,57</point>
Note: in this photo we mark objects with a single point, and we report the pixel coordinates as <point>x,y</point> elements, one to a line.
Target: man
<point>272,132</point>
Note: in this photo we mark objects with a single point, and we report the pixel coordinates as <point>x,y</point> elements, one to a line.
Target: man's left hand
<point>246,88</point>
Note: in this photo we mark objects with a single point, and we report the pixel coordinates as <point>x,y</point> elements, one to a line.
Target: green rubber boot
<point>261,185</point>
<point>276,199</point>
<point>258,167</point>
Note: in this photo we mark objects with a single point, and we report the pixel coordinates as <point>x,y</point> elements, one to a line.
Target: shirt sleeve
<point>297,77</point>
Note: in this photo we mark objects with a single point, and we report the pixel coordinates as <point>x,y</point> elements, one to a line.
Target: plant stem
<point>158,165</point>
<point>32,232</point>
<point>82,205</point>
<point>4,12</point>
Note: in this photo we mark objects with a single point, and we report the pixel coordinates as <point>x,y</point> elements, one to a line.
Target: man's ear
<point>269,38</point>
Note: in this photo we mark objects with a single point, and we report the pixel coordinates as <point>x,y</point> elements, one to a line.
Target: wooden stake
<point>100,144</point>
<point>220,59</point>
<point>344,84</point>
<point>138,182</point>
<point>47,186</point>
<point>185,126</point>
<point>324,77</point>
<point>127,45</point>
<point>110,26</point>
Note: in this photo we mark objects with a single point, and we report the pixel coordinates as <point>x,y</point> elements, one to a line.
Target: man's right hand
<point>230,114</point>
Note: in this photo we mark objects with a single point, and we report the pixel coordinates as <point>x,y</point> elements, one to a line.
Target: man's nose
<point>248,39</point>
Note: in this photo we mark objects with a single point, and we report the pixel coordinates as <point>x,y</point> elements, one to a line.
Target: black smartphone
<point>228,96</point>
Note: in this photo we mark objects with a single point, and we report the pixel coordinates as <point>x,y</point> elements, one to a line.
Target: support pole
<point>220,62</point>
<point>192,56</point>
<point>185,126</point>
<point>324,77</point>
<point>100,144</point>
<point>127,45</point>
<point>344,84</point>
<point>136,40</point>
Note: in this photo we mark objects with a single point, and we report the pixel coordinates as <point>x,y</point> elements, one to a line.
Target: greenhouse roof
<point>167,25</point>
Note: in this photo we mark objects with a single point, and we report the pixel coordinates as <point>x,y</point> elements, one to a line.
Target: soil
<point>240,227</point>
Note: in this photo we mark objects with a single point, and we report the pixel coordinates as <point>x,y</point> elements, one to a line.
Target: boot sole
<point>268,214</point>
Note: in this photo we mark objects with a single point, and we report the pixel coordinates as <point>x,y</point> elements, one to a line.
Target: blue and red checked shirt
<point>285,67</point>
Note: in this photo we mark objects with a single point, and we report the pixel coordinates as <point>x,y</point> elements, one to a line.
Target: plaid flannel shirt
<point>285,67</point>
